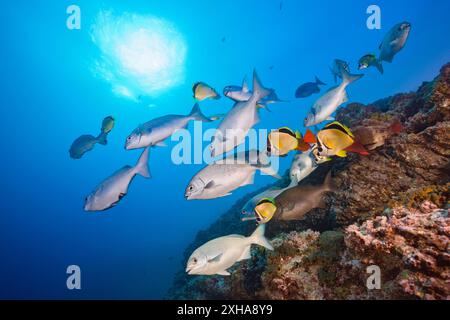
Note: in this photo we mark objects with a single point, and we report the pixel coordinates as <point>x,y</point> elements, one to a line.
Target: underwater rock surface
<point>391,210</point>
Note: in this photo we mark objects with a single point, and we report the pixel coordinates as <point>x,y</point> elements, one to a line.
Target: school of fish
<point>230,172</point>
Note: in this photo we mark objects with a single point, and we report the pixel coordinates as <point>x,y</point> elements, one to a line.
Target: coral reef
<point>412,245</point>
<point>391,210</point>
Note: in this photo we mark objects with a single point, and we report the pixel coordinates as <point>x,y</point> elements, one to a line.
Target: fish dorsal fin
<point>195,86</point>
<point>245,86</point>
<point>339,126</point>
<point>394,42</point>
<point>344,97</point>
<point>287,130</point>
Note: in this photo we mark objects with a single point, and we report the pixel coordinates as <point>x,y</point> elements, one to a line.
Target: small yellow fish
<point>283,140</point>
<point>335,139</point>
<point>107,124</point>
<point>265,210</point>
<point>202,91</point>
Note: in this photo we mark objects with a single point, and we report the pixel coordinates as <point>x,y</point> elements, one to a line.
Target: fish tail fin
<point>270,171</point>
<point>348,78</point>
<point>101,139</point>
<point>259,92</point>
<point>309,137</point>
<point>328,183</point>
<point>197,114</point>
<point>273,97</point>
<point>141,167</point>
<point>318,82</point>
<point>379,66</point>
<point>396,127</point>
<point>357,147</point>
<point>258,237</point>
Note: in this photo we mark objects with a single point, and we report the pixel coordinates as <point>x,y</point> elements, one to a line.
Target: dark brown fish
<point>295,203</point>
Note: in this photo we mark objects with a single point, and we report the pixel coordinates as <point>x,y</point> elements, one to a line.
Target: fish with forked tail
<point>154,132</point>
<point>113,189</point>
<point>239,94</point>
<point>220,178</point>
<point>217,255</point>
<point>338,68</point>
<point>309,88</point>
<point>327,104</point>
<point>239,120</point>
<point>294,203</point>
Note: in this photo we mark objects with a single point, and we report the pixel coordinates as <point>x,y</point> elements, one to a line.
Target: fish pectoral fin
<point>330,118</point>
<point>341,153</point>
<point>394,42</point>
<point>211,184</point>
<point>344,97</point>
<point>216,258</point>
<point>246,254</point>
<point>289,206</point>
<point>223,273</point>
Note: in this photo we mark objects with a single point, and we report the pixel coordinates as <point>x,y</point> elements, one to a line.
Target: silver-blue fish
<point>114,188</point>
<point>155,131</point>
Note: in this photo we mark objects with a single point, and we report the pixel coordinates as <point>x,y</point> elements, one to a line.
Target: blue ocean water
<point>50,96</point>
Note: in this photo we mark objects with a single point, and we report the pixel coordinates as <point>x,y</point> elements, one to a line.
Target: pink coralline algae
<point>420,238</point>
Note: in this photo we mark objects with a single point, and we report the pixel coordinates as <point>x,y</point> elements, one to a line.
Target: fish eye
<point>191,187</point>
<point>129,138</point>
<point>194,260</point>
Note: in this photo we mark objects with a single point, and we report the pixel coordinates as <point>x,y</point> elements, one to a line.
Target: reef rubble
<point>391,211</point>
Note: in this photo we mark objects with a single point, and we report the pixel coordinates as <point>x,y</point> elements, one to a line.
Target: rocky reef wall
<point>391,210</point>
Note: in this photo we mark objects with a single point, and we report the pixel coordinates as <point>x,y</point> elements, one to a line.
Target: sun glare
<point>139,55</point>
